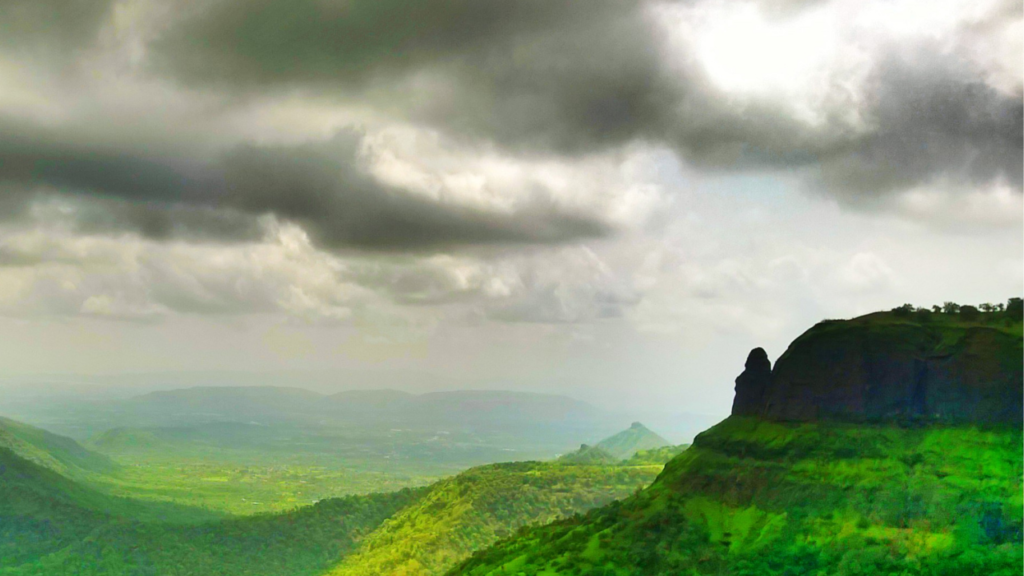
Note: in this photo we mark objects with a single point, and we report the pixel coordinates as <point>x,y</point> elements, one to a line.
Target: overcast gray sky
<point>614,199</point>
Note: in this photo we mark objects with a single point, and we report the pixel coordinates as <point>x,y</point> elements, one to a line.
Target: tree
<point>987,307</point>
<point>1015,308</point>
<point>950,307</point>
<point>969,313</point>
<point>936,309</point>
<point>904,310</point>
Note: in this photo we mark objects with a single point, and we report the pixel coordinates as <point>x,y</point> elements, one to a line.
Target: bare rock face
<point>752,384</point>
<point>876,369</point>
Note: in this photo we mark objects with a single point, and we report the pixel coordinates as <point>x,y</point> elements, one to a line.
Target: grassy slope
<point>58,453</point>
<point>754,497</point>
<point>656,455</point>
<point>477,508</point>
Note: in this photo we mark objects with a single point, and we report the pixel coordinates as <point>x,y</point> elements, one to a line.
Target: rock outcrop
<point>752,384</point>
<point>878,368</point>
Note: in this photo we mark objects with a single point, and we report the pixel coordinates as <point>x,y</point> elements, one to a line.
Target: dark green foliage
<point>969,313</point>
<point>1015,309</point>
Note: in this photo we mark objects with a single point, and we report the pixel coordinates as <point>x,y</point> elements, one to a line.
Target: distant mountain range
<point>521,419</point>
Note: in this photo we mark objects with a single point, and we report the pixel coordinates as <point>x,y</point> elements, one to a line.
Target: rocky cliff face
<point>880,367</point>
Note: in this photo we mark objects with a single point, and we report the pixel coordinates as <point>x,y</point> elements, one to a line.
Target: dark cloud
<point>932,120</point>
<point>568,77</point>
<point>321,186</point>
<point>51,28</point>
<point>534,74</point>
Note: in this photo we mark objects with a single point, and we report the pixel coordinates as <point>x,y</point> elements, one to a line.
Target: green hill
<point>630,441</point>
<point>43,512</point>
<point>918,478</point>
<point>588,455</point>
<point>480,506</point>
<point>51,525</point>
<point>304,542</point>
<point>58,453</point>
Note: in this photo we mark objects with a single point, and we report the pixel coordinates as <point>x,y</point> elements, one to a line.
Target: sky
<point>612,199</point>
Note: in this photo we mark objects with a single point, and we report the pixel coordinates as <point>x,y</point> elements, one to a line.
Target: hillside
<point>588,455</point>
<point>58,453</point>
<point>868,486</point>
<point>660,456</point>
<point>52,525</point>
<point>480,506</point>
<point>42,512</point>
<point>300,543</point>
<point>630,441</point>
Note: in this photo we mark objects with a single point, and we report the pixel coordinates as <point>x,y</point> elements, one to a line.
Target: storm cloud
<point>568,78</point>
<point>320,185</point>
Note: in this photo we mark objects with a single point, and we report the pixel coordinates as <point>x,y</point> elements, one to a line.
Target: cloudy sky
<point>614,199</point>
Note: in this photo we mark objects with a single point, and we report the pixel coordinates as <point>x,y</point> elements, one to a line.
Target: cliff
<point>886,367</point>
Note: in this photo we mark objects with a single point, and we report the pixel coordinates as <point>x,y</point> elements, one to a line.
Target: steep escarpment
<point>882,367</point>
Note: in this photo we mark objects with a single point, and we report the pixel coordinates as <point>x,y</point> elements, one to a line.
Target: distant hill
<point>537,424</point>
<point>52,451</point>
<point>886,444</point>
<point>228,403</point>
<point>588,456</point>
<point>630,441</point>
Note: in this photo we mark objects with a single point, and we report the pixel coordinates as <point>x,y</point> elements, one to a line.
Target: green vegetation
<point>588,456</point>
<point>659,456</point>
<point>753,497</point>
<point>1006,317</point>
<point>63,529</point>
<point>245,488</point>
<point>52,525</point>
<point>481,506</point>
<point>58,453</point>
